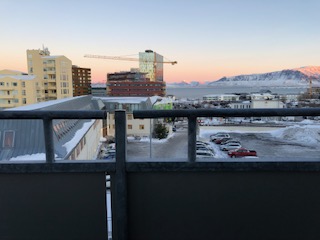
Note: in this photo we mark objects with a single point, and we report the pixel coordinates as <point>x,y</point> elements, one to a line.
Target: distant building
<point>240,105</point>
<point>133,83</point>
<point>18,89</point>
<point>99,89</point>
<point>53,72</point>
<point>221,97</point>
<point>151,63</point>
<point>81,80</point>
<point>135,127</point>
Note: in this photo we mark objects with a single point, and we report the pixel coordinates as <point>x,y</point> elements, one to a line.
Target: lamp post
<point>150,139</point>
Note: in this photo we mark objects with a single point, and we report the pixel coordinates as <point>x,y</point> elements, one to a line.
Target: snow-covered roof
<point>67,133</point>
<point>19,77</point>
<point>123,99</point>
<point>42,104</point>
<point>52,57</point>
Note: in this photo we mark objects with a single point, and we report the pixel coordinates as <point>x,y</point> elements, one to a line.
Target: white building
<point>135,127</point>
<point>240,105</point>
<point>221,97</point>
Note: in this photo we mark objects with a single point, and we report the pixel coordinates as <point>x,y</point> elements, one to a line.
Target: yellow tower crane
<point>126,59</point>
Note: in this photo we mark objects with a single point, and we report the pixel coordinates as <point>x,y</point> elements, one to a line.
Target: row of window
<point>12,101</point>
<point>141,126</point>
<point>14,84</point>
<point>76,152</point>
<point>8,139</point>
<point>14,92</point>
<point>241,106</point>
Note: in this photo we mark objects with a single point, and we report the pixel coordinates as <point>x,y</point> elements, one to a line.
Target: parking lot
<point>263,143</point>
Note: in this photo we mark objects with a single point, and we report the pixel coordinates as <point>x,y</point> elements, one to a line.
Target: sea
<point>199,92</point>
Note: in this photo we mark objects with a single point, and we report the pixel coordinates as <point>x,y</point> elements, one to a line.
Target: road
<point>175,147</point>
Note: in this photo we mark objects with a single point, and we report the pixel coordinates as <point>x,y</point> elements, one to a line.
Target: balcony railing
<point>260,199</point>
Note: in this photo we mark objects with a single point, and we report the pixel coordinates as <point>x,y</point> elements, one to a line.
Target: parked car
<point>220,140</point>
<point>219,136</point>
<point>229,141</point>
<point>242,152</point>
<point>110,156</point>
<point>202,148</point>
<point>230,146</point>
<point>204,154</point>
<point>204,144</point>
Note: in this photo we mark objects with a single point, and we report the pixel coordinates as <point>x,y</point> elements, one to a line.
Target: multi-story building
<point>221,97</point>
<point>18,89</point>
<point>151,63</point>
<point>81,79</point>
<point>54,74</point>
<point>133,83</point>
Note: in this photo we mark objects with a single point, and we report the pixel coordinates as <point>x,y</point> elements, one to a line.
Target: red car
<point>242,152</point>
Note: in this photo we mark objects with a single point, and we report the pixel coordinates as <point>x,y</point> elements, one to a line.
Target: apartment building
<point>54,74</point>
<point>81,79</point>
<point>18,89</point>
<point>133,83</point>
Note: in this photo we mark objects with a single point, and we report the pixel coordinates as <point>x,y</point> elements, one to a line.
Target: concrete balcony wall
<point>53,206</point>
<point>223,205</point>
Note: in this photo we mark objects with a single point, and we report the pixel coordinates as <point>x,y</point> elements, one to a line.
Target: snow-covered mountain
<point>285,78</point>
<point>183,84</point>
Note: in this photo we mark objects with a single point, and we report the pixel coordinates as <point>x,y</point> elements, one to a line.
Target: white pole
<point>150,139</point>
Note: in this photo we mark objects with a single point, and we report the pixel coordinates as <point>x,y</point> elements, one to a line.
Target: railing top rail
<point>63,114</point>
<point>258,112</point>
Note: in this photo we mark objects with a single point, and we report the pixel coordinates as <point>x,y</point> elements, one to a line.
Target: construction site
<point>147,80</point>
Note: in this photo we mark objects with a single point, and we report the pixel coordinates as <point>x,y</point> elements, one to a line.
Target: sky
<point>209,39</point>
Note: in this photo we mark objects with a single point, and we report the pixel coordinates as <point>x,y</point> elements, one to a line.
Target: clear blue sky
<point>209,38</point>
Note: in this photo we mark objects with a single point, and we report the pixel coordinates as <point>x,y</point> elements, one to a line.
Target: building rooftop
<point>28,135</point>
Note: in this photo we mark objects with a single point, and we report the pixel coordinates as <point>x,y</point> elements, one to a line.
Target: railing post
<point>48,138</point>
<point>192,135</point>
<point>120,176</point>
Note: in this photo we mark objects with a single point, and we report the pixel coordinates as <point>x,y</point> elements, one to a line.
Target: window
<point>23,84</point>
<point>129,126</point>
<point>1,83</point>
<point>23,92</point>
<point>8,139</point>
<point>129,116</point>
<point>14,84</point>
<point>24,101</point>
<point>141,127</point>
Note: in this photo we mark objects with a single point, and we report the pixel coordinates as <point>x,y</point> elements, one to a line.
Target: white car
<point>219,136</point>
<point>204,154</point>
<point>230,146</point>
<point>204,144</point>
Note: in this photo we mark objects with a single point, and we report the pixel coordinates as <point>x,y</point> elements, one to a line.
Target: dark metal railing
<point>194,113</point>
<point>121,166</point>
<point>47,117</point>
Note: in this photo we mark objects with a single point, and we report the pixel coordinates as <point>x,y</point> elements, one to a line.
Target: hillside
<point>286,78</point>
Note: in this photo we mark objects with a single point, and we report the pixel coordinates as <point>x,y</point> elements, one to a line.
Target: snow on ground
<point>307,134</point>
<point>32,157</point>
<point>147,139</point>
